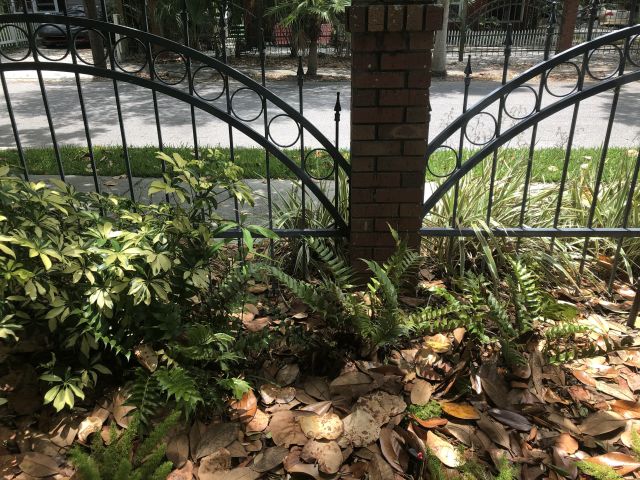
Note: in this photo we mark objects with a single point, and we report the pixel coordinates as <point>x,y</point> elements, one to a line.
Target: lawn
<point>547,162</point>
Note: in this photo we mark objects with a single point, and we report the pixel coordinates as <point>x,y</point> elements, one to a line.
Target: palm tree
<point>305,18</point>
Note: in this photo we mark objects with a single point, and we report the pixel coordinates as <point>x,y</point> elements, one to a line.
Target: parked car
<point>55,35</point>
<point>610,15</point>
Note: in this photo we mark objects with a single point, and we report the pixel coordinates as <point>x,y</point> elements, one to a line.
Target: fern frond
<point>564,330</point>
<point>500,315</point>
<point>401,263</point>
<point>341,273</point>
<point>145,394</point>
<point>177,383</point>
<point>429,320</point>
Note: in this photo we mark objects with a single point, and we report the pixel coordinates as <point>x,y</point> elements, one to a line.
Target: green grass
<point>547,162</point>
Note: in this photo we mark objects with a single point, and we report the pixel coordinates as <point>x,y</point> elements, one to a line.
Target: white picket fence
<point>13,37</point>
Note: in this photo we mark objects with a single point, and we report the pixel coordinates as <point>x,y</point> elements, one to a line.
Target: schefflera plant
<point>92,277</point>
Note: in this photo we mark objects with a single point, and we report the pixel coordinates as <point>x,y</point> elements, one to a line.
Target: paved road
<point>319,100</point>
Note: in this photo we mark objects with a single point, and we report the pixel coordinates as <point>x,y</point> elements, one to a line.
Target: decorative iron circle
<point>475,117</point>
<point>447,172</point>
<point>76,40</point>
<point>513,115</point>
<point>62,34</point>
<point>575,67</point>
<point>633,53</point>
<point>119,65</point>
<point>199,93</point>
<point>297,127</point>
<point>233,110</point>
<point>605,77</point>
<point>164,78</point>
<point>319,164</point>
<point>26,36</point>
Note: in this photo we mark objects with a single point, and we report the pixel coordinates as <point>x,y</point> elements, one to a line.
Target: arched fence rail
<point>190,80</point>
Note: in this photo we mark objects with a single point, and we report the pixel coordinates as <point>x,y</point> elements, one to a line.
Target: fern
<point>564,330</point>
<point>145,394</point>
<point>341,273</point>
<point>525,295</point>
<point>176,383</point>
<point>402,262</point>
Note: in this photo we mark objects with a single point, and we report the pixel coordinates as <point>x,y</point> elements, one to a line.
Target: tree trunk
<point>439,64</point>
<point>95,39</point>
<point>567,25</point>
<point>312,66</point>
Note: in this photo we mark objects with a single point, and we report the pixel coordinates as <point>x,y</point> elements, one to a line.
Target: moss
<point>599,472</point>
<point>427,411</point>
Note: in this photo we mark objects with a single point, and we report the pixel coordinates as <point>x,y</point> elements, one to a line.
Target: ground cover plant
<point>206,357</point>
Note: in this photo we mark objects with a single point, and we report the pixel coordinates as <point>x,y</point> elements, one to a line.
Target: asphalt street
<point>319,100</point>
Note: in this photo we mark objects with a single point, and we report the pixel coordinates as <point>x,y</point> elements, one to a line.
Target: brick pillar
<point>567,25</point>
<point>390,78</point>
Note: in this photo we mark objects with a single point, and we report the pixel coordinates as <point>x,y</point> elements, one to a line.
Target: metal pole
<point>463,29</point>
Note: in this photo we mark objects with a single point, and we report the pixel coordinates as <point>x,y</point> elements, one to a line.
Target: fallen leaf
<point>319,408</point>
<point>239,473</point>
<point>269,459</point>
<point>391,445</point>
<point>621,463</point>
<point>327,426</point>
<point>121,411</point>
<point>146,356</point>
<point>511,419</point>
<point>88,426</point>
<point>443,450</point>
<point>438,343</point>
<point>567,443</point>
<point>494,431</point>
<point>258,288</point>
<point>430,422</point>
<point>600,423</point>
<point>360,428</point>
<point>421,392</point>
<point>258,423</point>
<point>244,410</point>
<point>272,393</point>
<point>615,391</point>
<point>382,405</point>
<point>463,411</point>
<point>327,455</point>
<point>379,469</point>
<point>256,324</point>
<point>285,430</point>
<point>217,436</point>
<point>38,465</point>
<point>178,450</point>
<point>218,461</point>
<point>317,388</point>
<point>627,409</point>
<point>184,473</point>
<point>287,374</point>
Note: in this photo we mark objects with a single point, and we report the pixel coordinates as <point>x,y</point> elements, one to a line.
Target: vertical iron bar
<point>593,12</point>
<point>534,130</point>
<point>632,13</point>
<point>185,37</point>
<point>633,313</point>
<point>116,91</point>
<point>463,30</point>
<point>603,156</point>
<point>45,98</point>
<point>336,181</point>
<point>14,125</point>
<point>83,110</point>
<point>494,164</point>
<point>303,160</point>
<point>625,219</point>
<point>456,189</point>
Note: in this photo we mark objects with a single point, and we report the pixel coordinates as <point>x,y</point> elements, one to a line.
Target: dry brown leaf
<point>319,408</point>
<point>184,473</point>
<point>217,436</point>
<point>627,438</point>
<point>494,431</point>
<point>88,426</point>
<point>287,374</point>
<point>511,419</point>
<point>567,443</point>
<point>327,426</point>
<point>178,450</point>
<point>627,409</point>
<point>239,473</point>
<point>623,464</point>
<point>360,428</point>
<point>294,464</point>
<point>285,430</point>
<point>258,288</point>
<point>121,411</point>
<point>421,392</point>
<point>269,459</point>
<point>64,432</point>
<point>463,411</point>
<point>391,445</point>
<point>218,461</point>
<point>258,423</point>
<point>38,465</point>
<point>244,410</point>
<point>379,469</point>
<point>272,393</point>
<point>146,356</point>
<point>438,343</point>
<point>317,388</point>
<point>256,324</point>
<point>600,423</point>
<point>443,450</point>
<point>327,455</point>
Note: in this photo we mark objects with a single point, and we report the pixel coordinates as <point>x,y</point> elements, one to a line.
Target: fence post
<point>567,24</point>
<point>390,78</point>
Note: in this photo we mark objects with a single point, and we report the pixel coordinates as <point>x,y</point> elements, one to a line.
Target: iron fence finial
<point>300,72</point>
<point>467,70</point>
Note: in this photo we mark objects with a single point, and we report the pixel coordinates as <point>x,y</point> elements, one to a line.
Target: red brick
<point>421,40</point>
<point>363,164</point>
<point>433,19</point>
<point>413,179</point>
<point>372,210</point>
<point>398,195</point>
<point>401,164</point>
<point>404,61</point>
<point>417,115</point>
<point>418,97</point>
<point>357,17</point>
<point>363,132</point>
<point>376,18</point>
<point>365,62</point>
<point>392,42</point>
<point>398,224</point>
<point>394,97</point>
<point>377,115</point>
<point>369,180</point>
<point>382,254</point>
<point>363,98</point>
<point>378,80</point>
<point>364,43</point>
<point>360,252</point>
<point>375,147</point>
<point>402,131</point>
<point>362,225</point>
<point>415,18</point>
<point>362,195</point>
<point>372,239</point>
<point>395,18</point>
<point>419,79</point>
<point>411,210</point>
<point>415,147</point>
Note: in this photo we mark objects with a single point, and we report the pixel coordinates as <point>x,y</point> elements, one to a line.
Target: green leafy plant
<point>429,410</point>
<point>599,472</point>
<point>119,460</point>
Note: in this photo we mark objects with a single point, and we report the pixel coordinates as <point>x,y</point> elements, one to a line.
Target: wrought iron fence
<point>164,70</point>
